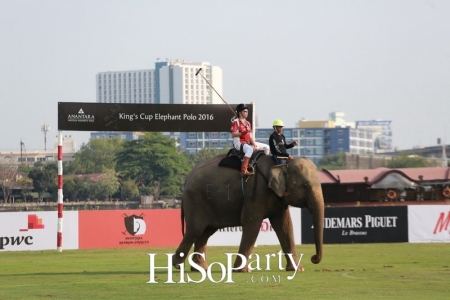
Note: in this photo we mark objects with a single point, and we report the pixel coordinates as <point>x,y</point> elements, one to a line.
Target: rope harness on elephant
<point>255,186</point>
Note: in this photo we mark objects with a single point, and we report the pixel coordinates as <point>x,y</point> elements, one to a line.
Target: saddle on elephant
<point>234,159</point>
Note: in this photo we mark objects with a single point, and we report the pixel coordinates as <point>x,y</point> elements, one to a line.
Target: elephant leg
<point>284,230</point>
<point>249,235</point>
<point>200,247</point>
<point>190,237</point>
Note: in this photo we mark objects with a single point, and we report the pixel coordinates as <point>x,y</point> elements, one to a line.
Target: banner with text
<point>78,116</point>
<point>129,228</point>
<point>429,223</point>
<point>359,225</point>
<point>231,236</point>
<point>21,231</point>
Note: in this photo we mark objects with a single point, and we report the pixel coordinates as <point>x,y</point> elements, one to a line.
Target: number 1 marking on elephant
<point>208,191</point>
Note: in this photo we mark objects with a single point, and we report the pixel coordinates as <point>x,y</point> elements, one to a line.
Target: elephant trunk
<point>316,208</point>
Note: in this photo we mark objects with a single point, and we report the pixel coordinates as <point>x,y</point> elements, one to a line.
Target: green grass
<point>351,271</point>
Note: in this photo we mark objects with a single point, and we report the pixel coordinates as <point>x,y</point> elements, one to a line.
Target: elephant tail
<point>182,220</point>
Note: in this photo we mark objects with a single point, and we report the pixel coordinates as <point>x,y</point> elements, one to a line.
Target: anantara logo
<point>134,225</point>
<point>81,117</point>
<point>443,223</point>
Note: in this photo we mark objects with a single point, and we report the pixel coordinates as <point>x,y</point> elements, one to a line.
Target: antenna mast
<point>45,128</point>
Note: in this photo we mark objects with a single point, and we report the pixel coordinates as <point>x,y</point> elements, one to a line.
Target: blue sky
<point>294,59</point>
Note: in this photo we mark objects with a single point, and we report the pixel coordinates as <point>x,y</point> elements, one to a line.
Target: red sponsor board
<point>129,228</point>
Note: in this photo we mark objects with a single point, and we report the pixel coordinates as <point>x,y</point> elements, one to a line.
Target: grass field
<point>351,271</point>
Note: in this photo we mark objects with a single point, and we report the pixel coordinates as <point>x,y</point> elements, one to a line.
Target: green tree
<point>153,162</point>
<point>25,184</point>
<point>76,188</point>
<point>333,161</point>
<point>107,186</point>
<point>205,153</point>
<point>24,169</point>
<point>405,161</point>
<point>8,174</point>
<point>44,178</point>
<point>97,156</point>
<point>129,190</point>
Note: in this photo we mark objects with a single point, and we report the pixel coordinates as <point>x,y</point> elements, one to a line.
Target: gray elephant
<point>215,197</point>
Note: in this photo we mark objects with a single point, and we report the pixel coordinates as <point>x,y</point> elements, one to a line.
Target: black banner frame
<point>82,116</point>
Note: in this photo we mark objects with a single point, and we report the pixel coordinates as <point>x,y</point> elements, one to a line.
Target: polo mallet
<point>198,72</point>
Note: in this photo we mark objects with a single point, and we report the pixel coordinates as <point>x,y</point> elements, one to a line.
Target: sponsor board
<point>129,228</point>
<point>428,223</point>
<point>231,236</point>
<point>81,116</point>
<point>21,231</point>
<point>359,225</point>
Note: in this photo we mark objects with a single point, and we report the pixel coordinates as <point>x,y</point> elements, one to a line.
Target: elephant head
<point>298,183</point>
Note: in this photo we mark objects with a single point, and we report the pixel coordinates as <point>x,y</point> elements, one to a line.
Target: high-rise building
<point>170,82</point>
<point>126,87</point>
<point>382,133</point>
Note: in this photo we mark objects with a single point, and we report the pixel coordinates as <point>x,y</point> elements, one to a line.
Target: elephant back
<point>203,168</point>
<point>214,167</point>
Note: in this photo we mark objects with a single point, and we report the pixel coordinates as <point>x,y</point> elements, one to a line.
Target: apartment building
<point>170,82</point>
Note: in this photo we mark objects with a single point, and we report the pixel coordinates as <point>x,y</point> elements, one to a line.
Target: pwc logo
<point>34,222</point>
<point>135,225</point>
<point>442,223</point>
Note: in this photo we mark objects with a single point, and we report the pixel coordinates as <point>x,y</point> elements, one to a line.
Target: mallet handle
<point>198,72</point>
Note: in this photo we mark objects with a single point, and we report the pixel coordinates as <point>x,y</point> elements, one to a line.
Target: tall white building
<point>382,134</point>
<point>171,82</point>
<point>338,117</point>
<point>126,87</point>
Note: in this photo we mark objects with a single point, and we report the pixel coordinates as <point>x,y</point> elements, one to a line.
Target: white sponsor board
<point>231,236</point>
<point>428,223</point>
<point>20,231</point>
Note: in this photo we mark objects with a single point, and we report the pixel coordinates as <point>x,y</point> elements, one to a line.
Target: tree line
<point>152,165</point>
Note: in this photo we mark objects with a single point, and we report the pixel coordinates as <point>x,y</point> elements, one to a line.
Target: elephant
<point>216,197</point>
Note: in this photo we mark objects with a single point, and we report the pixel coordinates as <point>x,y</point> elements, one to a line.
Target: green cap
<point>278,123</point>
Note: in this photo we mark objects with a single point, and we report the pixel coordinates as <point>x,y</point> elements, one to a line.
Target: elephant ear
<point>277,179</point>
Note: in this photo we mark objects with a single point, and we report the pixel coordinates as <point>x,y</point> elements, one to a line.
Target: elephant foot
<point>176,265</point>
<point>203,266</point>
<point>243,270</point>
<point>177,261</point>
<point>292,268</point>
